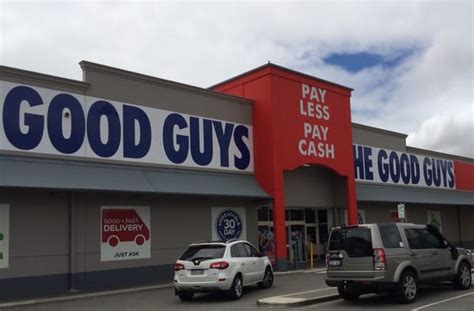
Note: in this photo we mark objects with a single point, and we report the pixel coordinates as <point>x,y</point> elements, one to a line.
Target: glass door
<point>297,238</point>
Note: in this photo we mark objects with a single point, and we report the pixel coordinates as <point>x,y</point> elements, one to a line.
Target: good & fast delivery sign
<point>125,232</point>
<point>40,120</point>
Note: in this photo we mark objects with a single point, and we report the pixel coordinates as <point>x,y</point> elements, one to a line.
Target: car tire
<point>347,294</point>
<point>236,289</point>
<point>407,288</point>
<point>185,296</point>
<point>463,278</point>
<point>267,281</point>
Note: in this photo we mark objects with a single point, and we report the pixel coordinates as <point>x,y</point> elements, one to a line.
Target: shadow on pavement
<point>220,297</point>
<point>426,293</point>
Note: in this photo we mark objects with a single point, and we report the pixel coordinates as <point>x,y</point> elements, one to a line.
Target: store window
<point>266,244</point>
<point>263,213</point>
<point>297,215</point>
<point>323,225</point>
<point>310,215</point>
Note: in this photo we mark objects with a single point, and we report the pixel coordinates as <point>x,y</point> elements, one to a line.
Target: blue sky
<point>410,63</point>
<point>355,62</point>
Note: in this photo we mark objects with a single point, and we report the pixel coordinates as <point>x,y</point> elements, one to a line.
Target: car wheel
<point>236,290</point>
<point>267,281</point>
<point>407,287</point>
<point>347,294</point>
<point>185,296</point>
<point>463,280</point>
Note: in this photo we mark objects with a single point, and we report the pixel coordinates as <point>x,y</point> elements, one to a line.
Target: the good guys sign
<point>52,122</point>
<point>394,167</point>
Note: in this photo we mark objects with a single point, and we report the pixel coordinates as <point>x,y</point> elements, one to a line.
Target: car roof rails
<point>231,240</point>
<point>345,226</point>
<point>207,241</point>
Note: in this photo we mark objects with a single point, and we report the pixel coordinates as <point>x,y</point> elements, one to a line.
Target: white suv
<point>221,266</point>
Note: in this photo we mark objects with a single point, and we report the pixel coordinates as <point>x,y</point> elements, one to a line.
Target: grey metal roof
<point>79,175</point>
<point>383,193</point>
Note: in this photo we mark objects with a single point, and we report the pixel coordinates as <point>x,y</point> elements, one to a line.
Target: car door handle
<point>243,264</point>
<point>412,254</point>
<point>434,253</point>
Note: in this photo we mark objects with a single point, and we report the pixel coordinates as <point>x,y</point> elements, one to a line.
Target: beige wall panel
<point>168,97</point>
<point>378,138</point>
<point>313,186</point>
<point>39,232</point>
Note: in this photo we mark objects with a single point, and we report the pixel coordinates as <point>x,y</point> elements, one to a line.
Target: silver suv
<point>396,258</point>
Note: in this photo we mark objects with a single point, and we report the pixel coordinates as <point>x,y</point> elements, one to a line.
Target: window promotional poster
<point>125,233</point>
<point>4,234</point>
<point>228,223</point>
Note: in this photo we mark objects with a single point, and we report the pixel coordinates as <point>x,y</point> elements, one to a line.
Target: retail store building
<point>105,181</point>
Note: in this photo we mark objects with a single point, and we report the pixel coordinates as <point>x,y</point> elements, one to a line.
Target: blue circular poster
<point>228,225</point>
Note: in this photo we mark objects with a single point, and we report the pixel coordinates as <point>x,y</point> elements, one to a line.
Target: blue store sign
<point>46,121</point>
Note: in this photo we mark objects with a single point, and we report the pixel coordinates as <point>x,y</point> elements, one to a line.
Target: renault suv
<point>394,258</point>
<point>221,266</point>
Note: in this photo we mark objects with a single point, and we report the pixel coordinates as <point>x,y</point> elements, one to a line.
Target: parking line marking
<point>308,291</point>
<point>441,301</point>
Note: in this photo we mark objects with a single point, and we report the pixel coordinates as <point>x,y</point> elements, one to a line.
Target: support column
<point>279,230</point>
<point>351,201</point>
<point>72,242</point>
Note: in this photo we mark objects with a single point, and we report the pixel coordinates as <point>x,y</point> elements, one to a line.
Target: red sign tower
<point>297,120</point>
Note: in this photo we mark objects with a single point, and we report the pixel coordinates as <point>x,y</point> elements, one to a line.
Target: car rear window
<point>203,252</point>
<point>357,242</point>
<point>390,236</point>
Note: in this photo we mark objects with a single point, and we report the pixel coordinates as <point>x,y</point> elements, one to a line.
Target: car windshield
<point>203,252</point>
<point>357,242</point>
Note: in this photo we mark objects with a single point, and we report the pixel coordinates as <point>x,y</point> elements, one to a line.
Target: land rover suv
<point>396,258</point>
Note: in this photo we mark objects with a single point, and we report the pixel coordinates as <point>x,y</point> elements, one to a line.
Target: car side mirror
<point>454,251</point>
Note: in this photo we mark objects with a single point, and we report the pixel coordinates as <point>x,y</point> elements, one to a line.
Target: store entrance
<point>306,235</point>
<point>296,246</point>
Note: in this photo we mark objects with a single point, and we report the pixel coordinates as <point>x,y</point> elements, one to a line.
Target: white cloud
<point>202,43</point>
<point>453,133</point>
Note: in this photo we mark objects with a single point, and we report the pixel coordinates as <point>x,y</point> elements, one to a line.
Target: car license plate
<point>335,263</point>
<point>197,272</point>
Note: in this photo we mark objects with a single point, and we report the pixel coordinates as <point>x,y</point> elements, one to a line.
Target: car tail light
<point>380,262</point>
<point>221,265</point>
<point>178,266</point>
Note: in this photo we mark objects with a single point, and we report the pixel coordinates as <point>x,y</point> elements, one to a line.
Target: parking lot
<point>431,298</point>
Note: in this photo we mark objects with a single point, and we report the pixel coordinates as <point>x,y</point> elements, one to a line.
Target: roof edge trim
<point>155,80</point>
<point>377,129</point>
<point>271,65</point>
<point>42,77</point>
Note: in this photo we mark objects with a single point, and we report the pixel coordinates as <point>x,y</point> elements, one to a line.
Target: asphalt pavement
<point>432,298</point>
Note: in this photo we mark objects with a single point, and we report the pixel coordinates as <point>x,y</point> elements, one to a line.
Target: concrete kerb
<point>313,270</point>
<point>76,296</point>
<point>296,302</point>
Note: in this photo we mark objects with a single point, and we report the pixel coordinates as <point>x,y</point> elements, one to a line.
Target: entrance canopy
<point>379,193</point>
